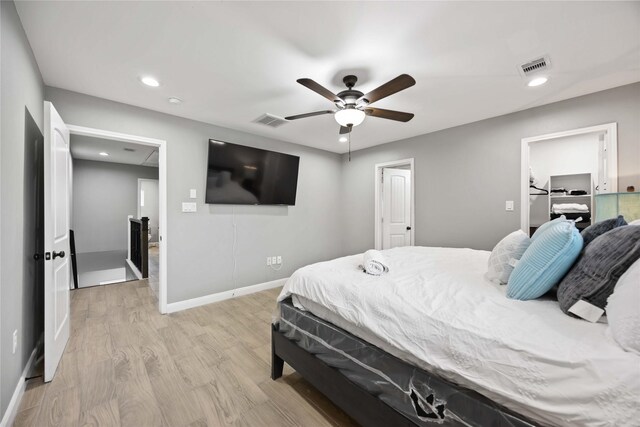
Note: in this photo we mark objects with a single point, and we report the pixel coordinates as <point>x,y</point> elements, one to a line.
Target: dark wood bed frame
<point>357,402</point>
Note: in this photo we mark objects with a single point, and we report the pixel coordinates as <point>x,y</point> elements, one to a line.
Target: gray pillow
<point>593,277</point>
<point>599,228</point>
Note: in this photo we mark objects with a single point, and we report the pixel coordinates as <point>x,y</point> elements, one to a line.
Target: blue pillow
<point>540,230</point>
<point>545,262</point>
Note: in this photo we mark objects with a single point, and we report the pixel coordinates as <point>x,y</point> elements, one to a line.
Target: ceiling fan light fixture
<point>349,117</point>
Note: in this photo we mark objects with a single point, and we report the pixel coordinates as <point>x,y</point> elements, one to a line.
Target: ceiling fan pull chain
<point>349,146</point>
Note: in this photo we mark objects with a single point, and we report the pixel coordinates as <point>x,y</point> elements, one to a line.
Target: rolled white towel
<point>374,263</point>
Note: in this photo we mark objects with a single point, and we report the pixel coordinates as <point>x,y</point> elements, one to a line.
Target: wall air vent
<point>534,67</point>
<point>270,120</point>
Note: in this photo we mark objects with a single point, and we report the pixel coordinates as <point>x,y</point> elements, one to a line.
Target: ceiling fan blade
<point>345,129</point>
<point>321,90</point>
<point>401,82</point>
<point>315,113</point>
<point>398,116</point>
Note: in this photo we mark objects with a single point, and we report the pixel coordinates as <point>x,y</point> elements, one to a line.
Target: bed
<point>433,341</point>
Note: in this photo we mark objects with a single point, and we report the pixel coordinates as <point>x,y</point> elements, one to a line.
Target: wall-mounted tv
<point>240,175</point>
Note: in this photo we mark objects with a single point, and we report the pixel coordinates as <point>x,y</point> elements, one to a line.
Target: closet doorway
<point>394,204</point>
<point>563,171</point>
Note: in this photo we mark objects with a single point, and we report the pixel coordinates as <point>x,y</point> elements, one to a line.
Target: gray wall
<point>465,174</point>
<point>200,256</point>
<point>103,195</point>
<point>21,86</point>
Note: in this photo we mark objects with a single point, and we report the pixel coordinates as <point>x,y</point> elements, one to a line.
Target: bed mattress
<point>435,310</point>
<point>421,397</point>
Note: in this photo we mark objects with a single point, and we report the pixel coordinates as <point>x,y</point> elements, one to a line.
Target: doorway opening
<point>563,171</point>
<point>394,204</point>
<point>117,239</point>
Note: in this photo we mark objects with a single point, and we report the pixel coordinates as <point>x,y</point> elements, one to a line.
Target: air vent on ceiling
<point>131,150</point>
<point>270,120</point>
<point>534,67</point>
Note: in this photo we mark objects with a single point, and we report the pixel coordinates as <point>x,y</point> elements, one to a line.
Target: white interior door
<point>56,239</point>
<point>148,197</point>
<point>396,208</point>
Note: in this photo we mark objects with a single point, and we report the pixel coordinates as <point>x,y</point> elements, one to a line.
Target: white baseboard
<point>221,296</point>
<point>14,404</point>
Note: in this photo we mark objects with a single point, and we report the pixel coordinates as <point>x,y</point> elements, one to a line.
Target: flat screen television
<point>240,175</point>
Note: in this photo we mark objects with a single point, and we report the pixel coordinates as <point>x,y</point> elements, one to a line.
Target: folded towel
<point>560,208</point>
<point>374,263</point>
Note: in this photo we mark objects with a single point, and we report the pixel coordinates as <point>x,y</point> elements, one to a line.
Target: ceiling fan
<point>352,105</point>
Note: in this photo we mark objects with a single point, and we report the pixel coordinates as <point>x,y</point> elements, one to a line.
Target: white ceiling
<point>233,61</point>
<point>89,148</point>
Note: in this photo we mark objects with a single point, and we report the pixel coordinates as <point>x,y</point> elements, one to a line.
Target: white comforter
<point>436,310</point>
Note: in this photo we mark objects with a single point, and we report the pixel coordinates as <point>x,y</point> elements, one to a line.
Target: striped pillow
<point>594,277</point>
<point>601,227</point>
<point>545,262</point>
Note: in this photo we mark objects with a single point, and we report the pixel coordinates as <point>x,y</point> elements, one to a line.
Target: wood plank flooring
<point>127,365</point>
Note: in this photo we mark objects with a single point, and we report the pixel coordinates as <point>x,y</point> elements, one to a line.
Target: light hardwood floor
<point>127,365</point>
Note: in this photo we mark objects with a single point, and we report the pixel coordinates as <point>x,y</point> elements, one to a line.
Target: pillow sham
<point>540,231</point>
<point>599,228</point>
<point>505,256</point>
<point>585,289</point>
<point>623,310</point>
<point>545,262</point>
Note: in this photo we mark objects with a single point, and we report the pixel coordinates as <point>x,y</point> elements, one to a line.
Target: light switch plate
<point>189,207</point>
<point>192,193</point>
<point>509,205</point>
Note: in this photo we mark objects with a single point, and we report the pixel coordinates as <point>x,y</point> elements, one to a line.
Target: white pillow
<point>623,310</point>
<point>636,222</point>
<point>505,255</point>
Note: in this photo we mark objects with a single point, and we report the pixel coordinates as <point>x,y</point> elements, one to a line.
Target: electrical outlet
<point>189,207</point>
<point>268,260</point>
<point>15,341</point>
<point>274,260</point>
<point>279,260</point>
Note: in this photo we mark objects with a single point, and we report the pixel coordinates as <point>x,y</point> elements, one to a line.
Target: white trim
<point>162,194</point>
<point>134,269</point>
<point>110,282</point>
<point>221,296</point>
<point>129,236</point>
<point>378,187</point>
<point>611,134</point>
<point>12,410</point>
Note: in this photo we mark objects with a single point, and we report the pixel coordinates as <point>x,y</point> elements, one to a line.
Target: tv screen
<point>240,175</point>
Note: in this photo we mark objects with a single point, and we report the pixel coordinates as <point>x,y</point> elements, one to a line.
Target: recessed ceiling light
<point>150,81</point>
<point>343,139</point>
<point>174,100</point>
<point>103,154</point>
<point>538,81</point>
